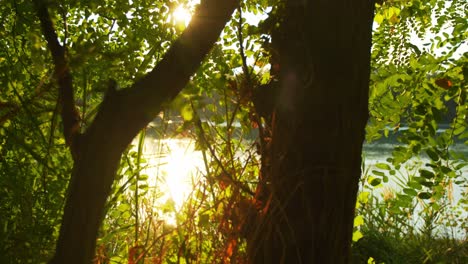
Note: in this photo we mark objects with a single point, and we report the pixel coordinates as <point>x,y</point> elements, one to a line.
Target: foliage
<point>418,99</point>
<point>388,249</point>
<point>34,162</point>
<point>401,227</point>
<point>414,88</point>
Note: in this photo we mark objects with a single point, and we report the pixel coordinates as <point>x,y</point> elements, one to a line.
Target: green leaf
<point>375,181</point>
<point>427,183</point>
<point>117,259</point>
<point>432,154</point>
<point>358,220</point>
<point>459,130</point>
<point>379,173</point>
<point>385,179</point>
<point>363,197</point>
<point>204,220</point>
<point>410,191</point>
<point>123,207</point>
<point>424,195</point>
<point>357,235</point>
<point>404,200</point>
<point>143,177</point>
<point>427,174</point>
<point>378,18</point>
<point>383,166</point>
<point>186,112</point>
<point>415,185</point>
<point>463,136</point>
<point>446,170</point>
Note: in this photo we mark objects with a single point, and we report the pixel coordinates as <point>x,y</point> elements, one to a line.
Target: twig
<point>241,48</point>
<point>218,161</point>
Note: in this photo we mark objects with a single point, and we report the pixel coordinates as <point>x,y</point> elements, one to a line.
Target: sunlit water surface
<point>175,168</point>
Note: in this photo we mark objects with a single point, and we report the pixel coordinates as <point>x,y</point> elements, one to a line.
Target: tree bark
<point>318,131</point>
<point>121,116</point>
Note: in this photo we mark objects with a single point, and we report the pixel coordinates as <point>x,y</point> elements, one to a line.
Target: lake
<point>174,167</point>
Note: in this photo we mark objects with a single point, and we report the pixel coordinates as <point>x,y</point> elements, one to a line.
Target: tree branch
<point>170,76</point>
<point>70,116</point>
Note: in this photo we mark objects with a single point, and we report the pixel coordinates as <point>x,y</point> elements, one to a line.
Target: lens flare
<point>182,16</point>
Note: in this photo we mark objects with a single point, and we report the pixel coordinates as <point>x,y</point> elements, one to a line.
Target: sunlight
<point>174,168</point>
<point>182,16</point>
<point>182,168</point>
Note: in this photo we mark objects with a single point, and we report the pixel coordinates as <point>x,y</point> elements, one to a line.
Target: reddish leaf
<point>444,83</point>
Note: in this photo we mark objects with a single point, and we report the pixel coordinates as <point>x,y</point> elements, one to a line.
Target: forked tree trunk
<point>318,131</point>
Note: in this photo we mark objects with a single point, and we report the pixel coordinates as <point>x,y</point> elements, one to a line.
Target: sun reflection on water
<point>182,170</point>
<point>174,168</point>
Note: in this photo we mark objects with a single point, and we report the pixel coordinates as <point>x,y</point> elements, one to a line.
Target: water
<point>174,167</point>
<point>378,153</point>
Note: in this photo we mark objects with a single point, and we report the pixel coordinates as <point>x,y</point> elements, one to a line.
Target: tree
<point>96,152</point>
<point>123,112</point>
<point>309,110</point>
<point>313,162</point>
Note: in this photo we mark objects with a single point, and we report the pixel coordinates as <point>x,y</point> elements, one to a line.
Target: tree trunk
<point>318,131</point>
<point>91,181</point>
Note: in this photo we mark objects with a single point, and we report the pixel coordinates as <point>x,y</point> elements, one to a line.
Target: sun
<point>182,16</point>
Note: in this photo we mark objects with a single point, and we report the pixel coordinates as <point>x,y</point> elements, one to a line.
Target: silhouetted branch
<point>70,116</point>
<point>173,72</point>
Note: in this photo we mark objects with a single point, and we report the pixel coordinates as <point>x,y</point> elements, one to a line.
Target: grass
<point>384,248</point>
